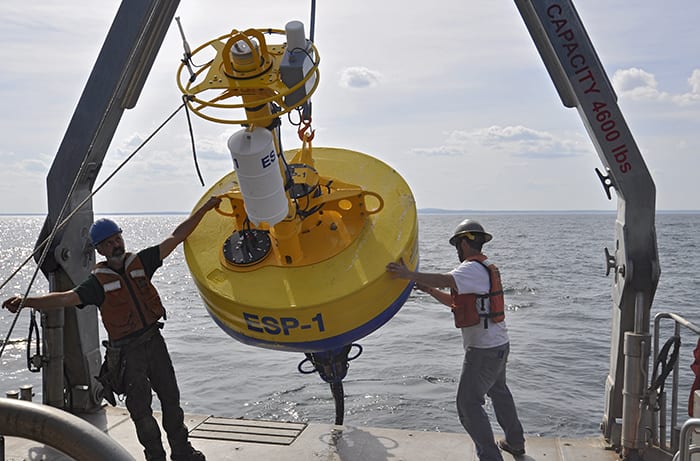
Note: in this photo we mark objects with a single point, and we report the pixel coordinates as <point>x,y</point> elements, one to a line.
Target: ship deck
<point>232,439</point>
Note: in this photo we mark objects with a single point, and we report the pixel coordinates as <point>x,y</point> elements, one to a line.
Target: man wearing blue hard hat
<point>137,359</point>
<point>103,229</point>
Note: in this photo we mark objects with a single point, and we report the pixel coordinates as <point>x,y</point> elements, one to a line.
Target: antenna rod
<point>188,52</point>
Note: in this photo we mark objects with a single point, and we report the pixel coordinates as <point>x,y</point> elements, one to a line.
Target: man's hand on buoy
<point>398,270</point>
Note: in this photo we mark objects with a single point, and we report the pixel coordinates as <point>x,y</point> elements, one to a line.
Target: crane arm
<point>581,82</point>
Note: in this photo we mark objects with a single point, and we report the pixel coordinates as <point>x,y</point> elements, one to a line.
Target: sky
<point>453,95</point>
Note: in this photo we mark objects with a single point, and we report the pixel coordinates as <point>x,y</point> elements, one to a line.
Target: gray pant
<point>484,373</point>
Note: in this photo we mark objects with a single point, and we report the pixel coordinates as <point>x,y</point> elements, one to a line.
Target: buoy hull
<point>320,306</point>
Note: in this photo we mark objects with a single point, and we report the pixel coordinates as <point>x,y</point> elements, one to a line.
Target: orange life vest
<point>131,301</point>
<point>469,308</point>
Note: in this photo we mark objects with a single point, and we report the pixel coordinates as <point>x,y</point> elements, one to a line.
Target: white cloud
<point>359,77</point>
<point>694,82</point>
<point>515,141</point>
<point>640,85</point>
<point>134,141</point>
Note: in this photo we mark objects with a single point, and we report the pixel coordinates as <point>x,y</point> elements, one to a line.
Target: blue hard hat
<point>102,229</point>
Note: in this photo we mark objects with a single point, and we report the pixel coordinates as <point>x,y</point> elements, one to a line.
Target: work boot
<point>197,455</point>
<point>516,452</point>
<point>191,455</point>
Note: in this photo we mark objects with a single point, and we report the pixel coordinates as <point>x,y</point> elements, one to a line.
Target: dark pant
<point>484,373</point>
<point>148,366</point>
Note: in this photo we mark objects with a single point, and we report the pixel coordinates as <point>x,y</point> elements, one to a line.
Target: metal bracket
<point>607,181</point>
<point>610,262</point>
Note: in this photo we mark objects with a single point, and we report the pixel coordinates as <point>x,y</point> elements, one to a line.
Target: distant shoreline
<point>421,211</point>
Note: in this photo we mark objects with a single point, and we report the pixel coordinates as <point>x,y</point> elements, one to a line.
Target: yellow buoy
<point>316,282</point>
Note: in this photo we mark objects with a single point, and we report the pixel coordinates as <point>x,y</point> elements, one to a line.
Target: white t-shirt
<point>472,277</point>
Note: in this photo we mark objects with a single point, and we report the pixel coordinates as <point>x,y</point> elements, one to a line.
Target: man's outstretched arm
<point>51,300</point>
<point>186,227</point>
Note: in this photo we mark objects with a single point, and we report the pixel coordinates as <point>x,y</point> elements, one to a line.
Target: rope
<point>185,98</point>
<point>665,362</point>
<point>45,244</point>
<point>34,362</point>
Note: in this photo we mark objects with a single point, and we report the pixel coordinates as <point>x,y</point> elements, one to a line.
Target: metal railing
<point>58,429</point>
<point>677,442</point>
<point>686,449</point>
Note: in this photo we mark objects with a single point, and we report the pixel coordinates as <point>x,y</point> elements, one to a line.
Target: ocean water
<point>559,310</point>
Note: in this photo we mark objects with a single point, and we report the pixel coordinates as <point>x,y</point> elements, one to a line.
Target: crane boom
<point>581,82</point>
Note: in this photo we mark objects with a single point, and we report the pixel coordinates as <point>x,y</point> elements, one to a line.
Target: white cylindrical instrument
<point>259,177</point>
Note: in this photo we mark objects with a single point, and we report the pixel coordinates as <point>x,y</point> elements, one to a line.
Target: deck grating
<point>245,430</point>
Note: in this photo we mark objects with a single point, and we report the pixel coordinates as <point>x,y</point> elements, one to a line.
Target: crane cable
<point>46,243</point>
<point>312,27</point>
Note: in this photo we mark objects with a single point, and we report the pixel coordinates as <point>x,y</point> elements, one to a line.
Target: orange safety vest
<point>131,301</point>
<point>464,305</point>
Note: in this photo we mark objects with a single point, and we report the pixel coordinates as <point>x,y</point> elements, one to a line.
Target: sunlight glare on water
<point>559,309</point>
